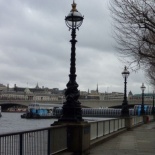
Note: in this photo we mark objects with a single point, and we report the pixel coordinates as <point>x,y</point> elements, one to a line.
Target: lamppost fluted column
<point>71,110</point>
<point>142,105</point>
<point>73,41</point>
<point>125,107</point>
<point>125,89</point>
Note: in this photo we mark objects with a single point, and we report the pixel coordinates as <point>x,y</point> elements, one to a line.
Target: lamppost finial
<point>74,7</point>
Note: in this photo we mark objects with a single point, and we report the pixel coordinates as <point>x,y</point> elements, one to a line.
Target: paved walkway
<point>138,141</point>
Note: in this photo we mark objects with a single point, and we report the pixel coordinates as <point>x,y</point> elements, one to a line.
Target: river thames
<point>12,122</point>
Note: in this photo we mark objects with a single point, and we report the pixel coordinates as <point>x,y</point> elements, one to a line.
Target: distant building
<point>32,94</point>
<point>2,87</point>
<point>130,95</point>
<point>111,96</point>
<point>45,94</point>
<point>147,96</point>
<point>93,94</point>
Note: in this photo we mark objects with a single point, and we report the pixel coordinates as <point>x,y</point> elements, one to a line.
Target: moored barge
<point>40,111</point>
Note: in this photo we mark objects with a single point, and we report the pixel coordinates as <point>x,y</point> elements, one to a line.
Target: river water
<point>12,122</point>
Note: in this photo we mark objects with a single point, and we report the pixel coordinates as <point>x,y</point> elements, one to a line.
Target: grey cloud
<point>35,47</point>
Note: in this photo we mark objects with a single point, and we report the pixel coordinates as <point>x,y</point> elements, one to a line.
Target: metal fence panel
<point>9,145</point>
<point>116,124</point>
<point>112,125</point>
<point>35,142</point>
<point>58,138</point>
<point>100,129</point>
<point>93,130</point>
<point>106,127</point>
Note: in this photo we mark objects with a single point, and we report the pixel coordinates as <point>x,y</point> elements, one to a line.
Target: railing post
<point>21,143</point>
<point>109,126</point>
<point>49,142</point>
<point>97,129</point>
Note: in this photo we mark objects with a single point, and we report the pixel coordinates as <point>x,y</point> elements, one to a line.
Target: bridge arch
<point>10,105</point>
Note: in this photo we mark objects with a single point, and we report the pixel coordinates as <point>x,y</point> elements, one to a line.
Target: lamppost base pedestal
<point>78,136</point>
<point>128,123</point>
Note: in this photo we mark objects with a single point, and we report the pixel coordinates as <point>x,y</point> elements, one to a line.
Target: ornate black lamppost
<point>71,111</point>
<point>142,105</point>
<point>125,107</point>
<point>153,111</point>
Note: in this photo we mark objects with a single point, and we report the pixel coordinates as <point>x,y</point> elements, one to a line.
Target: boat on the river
<point>41,111</point>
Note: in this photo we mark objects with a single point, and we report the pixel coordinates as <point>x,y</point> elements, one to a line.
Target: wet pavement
<point>138,141</point>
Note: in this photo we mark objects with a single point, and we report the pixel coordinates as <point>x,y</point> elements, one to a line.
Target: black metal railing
<point>34,142</point>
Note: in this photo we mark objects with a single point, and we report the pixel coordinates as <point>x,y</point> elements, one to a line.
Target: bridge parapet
<point>86,103</point>
<point>110,103</point>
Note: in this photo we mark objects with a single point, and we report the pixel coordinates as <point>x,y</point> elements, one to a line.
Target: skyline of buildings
<point>54,94</point>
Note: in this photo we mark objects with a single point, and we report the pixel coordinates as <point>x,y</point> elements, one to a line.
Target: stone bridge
<point>86,103</point>
<point>111,103</point>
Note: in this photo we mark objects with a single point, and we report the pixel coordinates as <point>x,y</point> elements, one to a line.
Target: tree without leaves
<point>150,73</point>
<point>135,32</point>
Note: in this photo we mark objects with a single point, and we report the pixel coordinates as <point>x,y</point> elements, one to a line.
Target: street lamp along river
<point>71,110</point>
<point>142,105</point>
<point>125,107</point>
<point>78,130</point>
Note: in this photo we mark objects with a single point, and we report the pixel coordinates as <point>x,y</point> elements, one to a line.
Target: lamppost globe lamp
<point>125,107</point>
<point>143,87</point>
<point>125,73</point>
<point>71,110</point>
<point>142,105</point>
<point>74,19</point>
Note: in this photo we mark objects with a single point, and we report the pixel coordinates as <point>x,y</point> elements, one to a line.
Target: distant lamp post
<point>153,110</point>
<point>142,105</point>
<point>71,110</point>
<point>125,107</point>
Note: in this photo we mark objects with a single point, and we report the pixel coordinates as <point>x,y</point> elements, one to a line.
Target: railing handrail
<point>31,130</point>
<point>57,126</point>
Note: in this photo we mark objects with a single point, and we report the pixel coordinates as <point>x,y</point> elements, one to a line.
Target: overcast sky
<point>35,47</point>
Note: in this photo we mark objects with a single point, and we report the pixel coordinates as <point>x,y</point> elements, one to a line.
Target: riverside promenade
<point>137,141</point>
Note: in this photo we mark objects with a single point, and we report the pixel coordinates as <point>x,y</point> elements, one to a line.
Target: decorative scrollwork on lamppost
<point>125,107</point>
<point>71,110</point>
<point>142,105</point>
